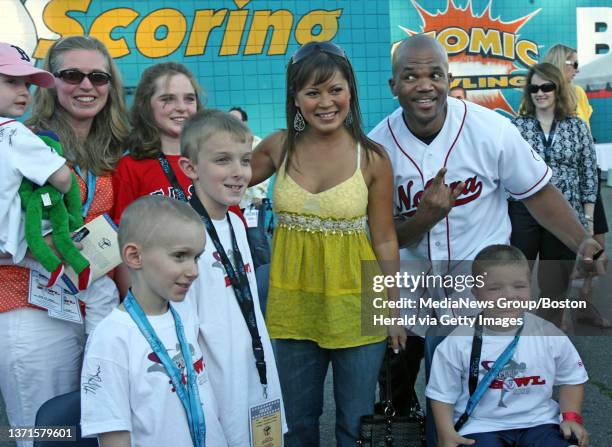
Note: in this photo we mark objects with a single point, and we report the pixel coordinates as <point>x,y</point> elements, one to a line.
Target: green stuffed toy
<point>65,215</point>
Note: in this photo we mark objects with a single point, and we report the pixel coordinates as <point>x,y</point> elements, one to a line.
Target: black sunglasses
<point>312,47</point>
<point>572,64</point>
<point>75,77</point>
<point>546,88</point>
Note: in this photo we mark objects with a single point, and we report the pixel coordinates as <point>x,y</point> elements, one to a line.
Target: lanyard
<point>188,395</point>
<point>91,188</point>
<point>240,284</point>
<point>476,392</point>
<point>179,193</point>
<point>548,142</point>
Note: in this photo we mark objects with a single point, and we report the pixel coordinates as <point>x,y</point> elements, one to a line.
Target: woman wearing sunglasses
<point>331,181</point>
<point>548,122</point>
<point>566,60</point>
<point>42,356</point>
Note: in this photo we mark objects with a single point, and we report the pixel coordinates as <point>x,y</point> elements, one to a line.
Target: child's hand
<point>453,439</point>
<point>572,427</point>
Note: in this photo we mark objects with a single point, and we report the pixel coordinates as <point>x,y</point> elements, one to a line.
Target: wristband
<point>571,416</point>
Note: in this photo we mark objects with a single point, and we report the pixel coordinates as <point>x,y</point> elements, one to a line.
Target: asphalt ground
<point>594,347</point>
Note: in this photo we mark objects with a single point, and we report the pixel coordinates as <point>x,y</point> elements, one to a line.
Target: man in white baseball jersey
<point>454,162</point>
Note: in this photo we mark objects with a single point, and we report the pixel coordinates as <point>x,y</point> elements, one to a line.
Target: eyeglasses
<point>572,64</point>
<point>75,77</point>
<point>312,47</point>
<point>546,88</point>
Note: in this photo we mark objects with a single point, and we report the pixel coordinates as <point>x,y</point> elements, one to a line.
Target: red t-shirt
<point>137,178</point>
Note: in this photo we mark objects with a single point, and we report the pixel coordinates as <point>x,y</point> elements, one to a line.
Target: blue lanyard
<point>486,381</point>
<point>91,188</point>
<point>188,395</point>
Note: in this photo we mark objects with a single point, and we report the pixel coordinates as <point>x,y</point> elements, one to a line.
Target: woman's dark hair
<point>321,65</point>
<point>564,105</point>
<point>242,112</point>
<point>145,141</point>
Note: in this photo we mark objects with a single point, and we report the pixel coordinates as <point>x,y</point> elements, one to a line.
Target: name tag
<point>58,302</point>
<point>251,215</point>
<point>266,424</point>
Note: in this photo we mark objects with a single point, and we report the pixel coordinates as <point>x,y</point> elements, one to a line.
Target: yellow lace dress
<point>315,276</point>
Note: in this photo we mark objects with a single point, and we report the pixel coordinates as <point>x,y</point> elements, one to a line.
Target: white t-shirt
<point>521,395</point>
<point>22,154</point>
<point>124,386</point>
<point>226,341</point>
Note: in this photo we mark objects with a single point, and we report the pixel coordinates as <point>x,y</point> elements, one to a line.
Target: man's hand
<point>572,427</point>
<point>438,199</point>
<point>591,260</point>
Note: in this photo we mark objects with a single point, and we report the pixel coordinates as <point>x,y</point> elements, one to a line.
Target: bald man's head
<point>418,42</point>
<point>420,82</point>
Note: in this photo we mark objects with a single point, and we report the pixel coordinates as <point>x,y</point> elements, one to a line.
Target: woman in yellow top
<point>333,184</point>
<point>566,60</point>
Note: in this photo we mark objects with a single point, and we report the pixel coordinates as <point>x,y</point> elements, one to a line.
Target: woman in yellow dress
<point>333,184</point>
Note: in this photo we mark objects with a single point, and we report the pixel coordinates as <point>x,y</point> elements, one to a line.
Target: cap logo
<point>23,54</point>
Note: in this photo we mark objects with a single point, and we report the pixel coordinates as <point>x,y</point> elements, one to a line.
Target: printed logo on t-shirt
<point>178,360</point>
<point>219,265</point>
<point>511,380</point>
<point>170,192</point>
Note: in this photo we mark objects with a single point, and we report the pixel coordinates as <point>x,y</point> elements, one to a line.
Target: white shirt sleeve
<point>446,377</point>
<point>105,392</point>
<point>569,366</point>
<point>522,171</point>
<point>32,157</point>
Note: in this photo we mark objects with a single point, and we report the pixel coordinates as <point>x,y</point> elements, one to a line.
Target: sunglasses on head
<point>75,77</point>
<point>572,64</point>
<point>546,88</point>
<point>312,47</point>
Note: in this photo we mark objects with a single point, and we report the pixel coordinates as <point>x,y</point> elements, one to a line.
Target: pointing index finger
<point>439,178</point>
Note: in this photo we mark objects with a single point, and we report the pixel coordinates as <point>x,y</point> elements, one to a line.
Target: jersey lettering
<point>408,204</point>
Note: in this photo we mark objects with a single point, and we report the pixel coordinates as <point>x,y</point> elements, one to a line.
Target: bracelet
<point>571,416</point>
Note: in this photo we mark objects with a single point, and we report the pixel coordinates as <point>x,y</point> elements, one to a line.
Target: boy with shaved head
<point>145,381</point>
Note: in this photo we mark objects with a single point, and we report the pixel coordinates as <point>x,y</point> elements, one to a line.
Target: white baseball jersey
<point>477,146</point>
<point>485,151</point>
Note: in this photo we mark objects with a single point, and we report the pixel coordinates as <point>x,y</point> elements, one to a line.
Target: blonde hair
<point>104,145</point>
<point>149,218</point>
<point>557,55</point>
<point>564,105</point>
<point>201,126</point>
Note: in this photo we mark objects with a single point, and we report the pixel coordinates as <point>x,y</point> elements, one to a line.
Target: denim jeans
<point>302,367</point>
<point>546,435</point>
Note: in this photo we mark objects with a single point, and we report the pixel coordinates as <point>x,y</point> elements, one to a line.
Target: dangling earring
<point>349,118</point>
<point>298,122</point>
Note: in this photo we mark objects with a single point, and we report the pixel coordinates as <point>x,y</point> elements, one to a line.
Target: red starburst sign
<point>483,52</point>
